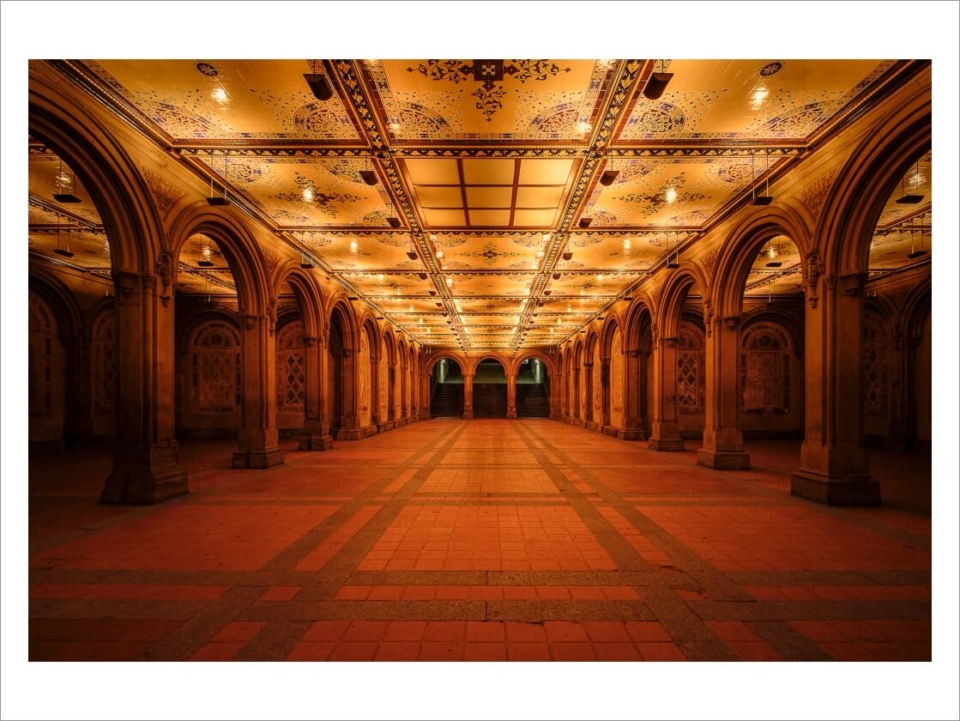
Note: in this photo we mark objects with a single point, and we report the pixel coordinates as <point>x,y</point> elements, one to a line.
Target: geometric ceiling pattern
<point>481,204</point>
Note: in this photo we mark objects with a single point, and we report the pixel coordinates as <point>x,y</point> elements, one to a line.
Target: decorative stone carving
<point>271,259</point>
<point>814,272</point>
<point>814,195</point>
<point>164,194</point>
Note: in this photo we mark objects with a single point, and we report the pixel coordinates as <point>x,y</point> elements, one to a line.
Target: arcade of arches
<point>776,358</point>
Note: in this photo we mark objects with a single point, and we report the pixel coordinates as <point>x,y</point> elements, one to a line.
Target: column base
<point>349,434</point>
<point>259,458</point>
<point>723,460</point>
<point>467,415</point>
<point>632,434</point>
<point>142,474</point>
<point>315,442</point>
<point>665,444</point>
<point>835,490</point>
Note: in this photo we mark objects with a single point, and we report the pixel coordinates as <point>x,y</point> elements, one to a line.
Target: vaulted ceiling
<point>481,204</point>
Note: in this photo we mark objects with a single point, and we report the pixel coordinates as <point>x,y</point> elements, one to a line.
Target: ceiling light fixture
<point>65,252</point>
<point>656,84</point>
<point>585,222</point>
<point>393,222</point>
<point>608,177</point>
<point>761,199</point>
<point>319,85</point>
<point>66,194</point>
<point>673,260</point>
<point>917,252</point>
<point>353,245</point>
<point>205,253</point>
<point>219,199</point>
<point>910,198</point>
<point>773,255</point>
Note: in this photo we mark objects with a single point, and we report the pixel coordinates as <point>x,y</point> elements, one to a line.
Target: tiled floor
<point>476,541</point>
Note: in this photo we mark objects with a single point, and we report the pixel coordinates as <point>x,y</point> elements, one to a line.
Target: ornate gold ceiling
<point>483,204</point>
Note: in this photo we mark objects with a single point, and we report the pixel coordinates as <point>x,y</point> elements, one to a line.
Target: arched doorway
<point>533,389</point>
<point>489,390</point>
<point>446,389</point>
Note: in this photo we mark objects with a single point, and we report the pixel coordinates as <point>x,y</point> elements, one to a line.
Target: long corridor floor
<point>484,540</point>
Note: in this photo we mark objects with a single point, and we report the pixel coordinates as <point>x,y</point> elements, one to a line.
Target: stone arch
<point>674,293</point>
<point>867,180</point>
<point>739,251</point>
<point>116,186</point>
<point>243,254</point>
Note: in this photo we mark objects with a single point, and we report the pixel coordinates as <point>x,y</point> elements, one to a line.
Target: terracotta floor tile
<point>311,651</point>
<point>444,631</point>
<point>758,651</point>
<point>485,631</point>
<point>484,651</point>
<point>351,651</point>
<point>280,593</point>
<point>238,631</point>
<point>441,651</point>
<point>528,652</point>
<point>606,631</point>
<point>572,652</point>
<point>616,652</point>
<point>397,651</point>
<point>216,652</point>
<point>564,632</point>
<point>361,631</point>
<point>519,632</point>
<point>660,652</point>
<point>404,630</point>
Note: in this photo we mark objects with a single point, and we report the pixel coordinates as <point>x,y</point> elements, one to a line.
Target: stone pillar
<point>315,435</point>
<point>146,462</point>
<point>722,437</point>
<point>467,396</point>
<point>511,396</point>
<point>603,422</point>
<point>557,392</point>
<point>424,402</point>
<point>636,380</point>
<point>392,394</point>
<point>833,462</point>
<point>350,422</point>
<point>587,390</point>
<point>374,371</point>
<point>665,429</point>
<point>259,437</point>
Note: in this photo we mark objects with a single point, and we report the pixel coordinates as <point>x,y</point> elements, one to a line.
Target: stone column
<point>833,462</point>
<point>722,437</point>
<point>350,422</point>
<point>424,407</point>
<point>259,437</point>
<point>374,371</point>
<point>603,422</point>
<point>665,429</point>
<point>587,390</point>
<point>146,462</point>
<point>315,435</point>
<point>467,396</point>
<point>511,396</point>
<point>636,381</point>
<point>392,394</point>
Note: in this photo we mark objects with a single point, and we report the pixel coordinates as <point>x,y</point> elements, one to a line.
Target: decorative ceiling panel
<point>531,193</point>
